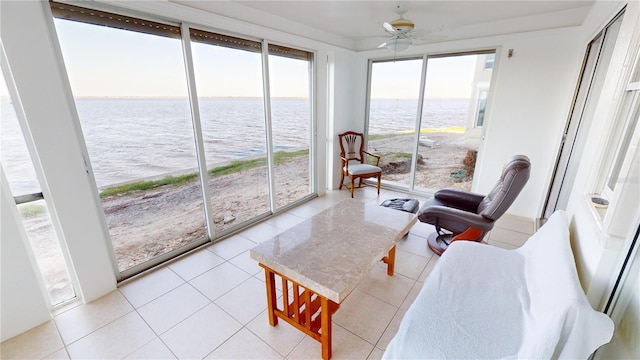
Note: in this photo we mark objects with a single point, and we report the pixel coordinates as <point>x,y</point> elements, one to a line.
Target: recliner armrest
<point>459,199</point>
<point>452,214</point>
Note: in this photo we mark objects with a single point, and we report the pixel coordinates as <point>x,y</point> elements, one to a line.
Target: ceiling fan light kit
<point>398,44</point>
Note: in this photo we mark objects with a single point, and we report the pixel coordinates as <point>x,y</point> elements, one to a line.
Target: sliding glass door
<point>290,90</point>
<point>131,96</point>
<point>453,113</point>
<point>228,77</point>
<point>180,129</point>
<point>443,96</point>
<point>393,105</point>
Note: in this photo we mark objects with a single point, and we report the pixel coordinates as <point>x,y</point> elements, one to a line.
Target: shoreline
<point>145,223</point>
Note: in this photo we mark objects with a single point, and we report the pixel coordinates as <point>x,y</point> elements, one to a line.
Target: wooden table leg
<point>325,314</point>
<point>390,260</point>
<point>271,296</point>
<point>314,319</point>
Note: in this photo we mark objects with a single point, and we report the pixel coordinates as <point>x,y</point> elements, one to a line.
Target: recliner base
<point>439,243</point>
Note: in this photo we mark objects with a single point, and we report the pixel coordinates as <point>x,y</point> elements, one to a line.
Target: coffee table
<point>323,259</point>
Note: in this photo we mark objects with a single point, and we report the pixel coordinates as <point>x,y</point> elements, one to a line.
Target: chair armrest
<point>375,156</point>
<point>345,162</point>
<point>461,216</point>
<point>459,199</point>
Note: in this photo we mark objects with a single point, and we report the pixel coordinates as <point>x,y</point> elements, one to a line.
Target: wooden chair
<point>353,162</point>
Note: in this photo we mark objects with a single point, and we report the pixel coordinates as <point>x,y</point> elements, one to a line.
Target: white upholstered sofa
<point>485,302</point>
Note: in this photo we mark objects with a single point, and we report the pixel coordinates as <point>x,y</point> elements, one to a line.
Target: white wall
<point>530,104</point>
<point>349,109</point>
<point>528,107</point>
<point>22,302</point>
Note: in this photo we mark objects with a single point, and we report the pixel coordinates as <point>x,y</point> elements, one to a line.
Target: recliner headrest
<point>515,175</point>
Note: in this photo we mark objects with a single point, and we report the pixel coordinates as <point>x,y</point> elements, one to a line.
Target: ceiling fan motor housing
<point>402,25</point>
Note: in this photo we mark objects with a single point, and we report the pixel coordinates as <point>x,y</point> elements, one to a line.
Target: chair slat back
<point>351,145</point>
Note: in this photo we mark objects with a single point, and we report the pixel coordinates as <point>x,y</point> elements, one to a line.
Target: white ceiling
<point>357,25</point>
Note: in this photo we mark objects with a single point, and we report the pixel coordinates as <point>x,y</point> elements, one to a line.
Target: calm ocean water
<point>129,139</point>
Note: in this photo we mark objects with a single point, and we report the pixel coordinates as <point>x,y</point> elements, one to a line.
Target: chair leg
<point>341,180</point>
<point>352,185</point>
<point>378,184</point>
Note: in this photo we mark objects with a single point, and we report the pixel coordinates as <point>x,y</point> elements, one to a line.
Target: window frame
<point>113,16</point>
<point>621,131</point>
<point>411,187</point>
<point>42,195</point>
<point>481,106</point>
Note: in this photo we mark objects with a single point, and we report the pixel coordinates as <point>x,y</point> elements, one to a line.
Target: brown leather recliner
<point>469,216</point>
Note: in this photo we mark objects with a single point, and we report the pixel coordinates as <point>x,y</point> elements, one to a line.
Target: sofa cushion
<point>359,169</point>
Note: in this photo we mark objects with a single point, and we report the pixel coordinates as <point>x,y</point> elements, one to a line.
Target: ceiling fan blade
<point>383,45</point>
<point>389,28</point>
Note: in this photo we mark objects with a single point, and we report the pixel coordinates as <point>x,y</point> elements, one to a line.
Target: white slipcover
<point>481,301</point>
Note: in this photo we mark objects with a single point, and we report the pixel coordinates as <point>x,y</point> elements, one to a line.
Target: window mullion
<point>197,129</point>
<point>416,141</point>
<point>268,125</point>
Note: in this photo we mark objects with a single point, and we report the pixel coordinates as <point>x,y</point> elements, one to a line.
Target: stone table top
<point>330,252</point>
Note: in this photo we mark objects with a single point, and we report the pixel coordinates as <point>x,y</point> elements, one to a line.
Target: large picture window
<point>134,112</point>
<point>181,132</point>
<point>444,97</point>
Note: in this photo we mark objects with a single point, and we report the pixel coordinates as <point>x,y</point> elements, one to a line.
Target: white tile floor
<point>212,304</point>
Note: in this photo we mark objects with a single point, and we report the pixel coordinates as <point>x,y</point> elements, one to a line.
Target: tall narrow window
<point>482,104</point>
<point>489,59</point>
<point>627,117</point>
<point>228,76</point>
<point>129,84</point>
<point>574,141</point>
<point>393,106</point>
<point>25,186</point>
<point>624,126</point>
<point>452,115</point>
<point>290,87</point>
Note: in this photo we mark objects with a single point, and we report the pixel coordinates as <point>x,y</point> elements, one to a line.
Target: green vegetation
<point>146,185</point>
<point>282,156</point>
<point>383,136</point>
<point>31,210</point>
<point>233,167</point>
<point>402,155</point>
<point>237,166</point>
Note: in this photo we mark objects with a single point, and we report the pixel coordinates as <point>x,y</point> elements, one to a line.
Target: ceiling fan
<point>401,32</point>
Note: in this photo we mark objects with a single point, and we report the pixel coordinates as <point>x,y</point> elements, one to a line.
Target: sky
<point>449,77</point>
<point>107,62</point>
